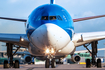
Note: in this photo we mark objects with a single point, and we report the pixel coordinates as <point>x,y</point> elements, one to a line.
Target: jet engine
<point>27,59</point>
<point>75,58</point>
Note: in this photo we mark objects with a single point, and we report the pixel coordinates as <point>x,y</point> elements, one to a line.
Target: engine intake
<point>75,58</point>
<point>28,59</point>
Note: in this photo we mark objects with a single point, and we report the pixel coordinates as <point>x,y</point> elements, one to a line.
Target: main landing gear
<point>93,62</point>
<point>9,63</point>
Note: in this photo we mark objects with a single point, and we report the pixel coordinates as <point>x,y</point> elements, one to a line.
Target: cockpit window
<point>38,18</point>
<point>59,18</point>
<point>52,17</point>
<point>44,17</point>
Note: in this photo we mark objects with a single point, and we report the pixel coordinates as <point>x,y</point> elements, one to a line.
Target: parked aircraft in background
<point>50,35</point>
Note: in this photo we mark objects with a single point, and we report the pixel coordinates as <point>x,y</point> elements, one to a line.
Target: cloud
<point>78,2</point>
<point>12,27</point>
<point>91,25</point>
<point>13,1</point>
<point>82,15</point>
<point>88,13</point>
<point>0,23</point>
<point>73,2</point>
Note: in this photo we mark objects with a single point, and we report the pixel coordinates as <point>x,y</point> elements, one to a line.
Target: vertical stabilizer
<point>52,1</point>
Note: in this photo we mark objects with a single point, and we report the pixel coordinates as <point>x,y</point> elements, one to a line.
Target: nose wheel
<point>53,63</point>
<point>49,62</point>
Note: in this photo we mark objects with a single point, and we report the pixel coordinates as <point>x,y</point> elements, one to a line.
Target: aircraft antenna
<point>52,1</point>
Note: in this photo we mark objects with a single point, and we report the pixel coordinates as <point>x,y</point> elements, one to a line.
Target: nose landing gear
<point>50,61</point>
<point>53,63</point>
<point>47,63</point>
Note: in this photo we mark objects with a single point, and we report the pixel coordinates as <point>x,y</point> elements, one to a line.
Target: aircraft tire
<point>53,63</point>
<point>6,65</point>
<point>47,63</point>
<point>16,65</point>
<point>87,63</point>
<point>33,63</point>
<point>98,63</point>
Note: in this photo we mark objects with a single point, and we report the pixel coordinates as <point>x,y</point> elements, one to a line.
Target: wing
<point>84,38</point>
<point>23,52</point>
<point>15,39</point>
<point>87,18</point>
<point>14,19</point>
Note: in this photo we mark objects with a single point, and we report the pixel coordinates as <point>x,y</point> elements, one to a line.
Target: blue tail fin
<point>52,1</point>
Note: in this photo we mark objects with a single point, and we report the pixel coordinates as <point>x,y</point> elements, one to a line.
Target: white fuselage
<point>50,36</point>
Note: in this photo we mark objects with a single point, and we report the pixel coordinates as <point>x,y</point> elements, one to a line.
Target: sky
<point>76,8</point>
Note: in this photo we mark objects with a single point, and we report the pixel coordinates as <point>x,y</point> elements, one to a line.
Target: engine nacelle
<point>75,58</point>
<point>27,58</point>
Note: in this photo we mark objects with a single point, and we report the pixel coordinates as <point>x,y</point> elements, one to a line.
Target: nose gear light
<point>47,51</point>
<point>52,50</point>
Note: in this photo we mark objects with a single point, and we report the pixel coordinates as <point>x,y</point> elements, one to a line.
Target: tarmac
<point>58,67</point>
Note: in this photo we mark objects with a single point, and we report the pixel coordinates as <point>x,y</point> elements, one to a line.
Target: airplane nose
<point>50,36</point>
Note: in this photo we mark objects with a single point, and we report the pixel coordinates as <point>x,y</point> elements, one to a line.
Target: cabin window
<point>44,18</point>
<point>52,17</point>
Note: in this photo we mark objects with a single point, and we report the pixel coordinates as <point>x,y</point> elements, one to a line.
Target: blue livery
<point>54,14</point>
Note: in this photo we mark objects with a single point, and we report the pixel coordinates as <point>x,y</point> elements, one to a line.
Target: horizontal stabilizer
<point>14,19</point>
<point>87,18</point>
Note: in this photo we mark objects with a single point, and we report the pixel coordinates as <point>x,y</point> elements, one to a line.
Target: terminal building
<point>2,46</point>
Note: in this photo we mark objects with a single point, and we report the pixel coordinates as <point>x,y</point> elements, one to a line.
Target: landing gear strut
<point>9,63</point>
<point>93,62</point>
<point>50,62</point>
<point>53,63</point>
<point>47,63</point>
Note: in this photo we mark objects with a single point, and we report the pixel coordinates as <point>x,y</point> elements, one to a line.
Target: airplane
<point>50,35</point>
